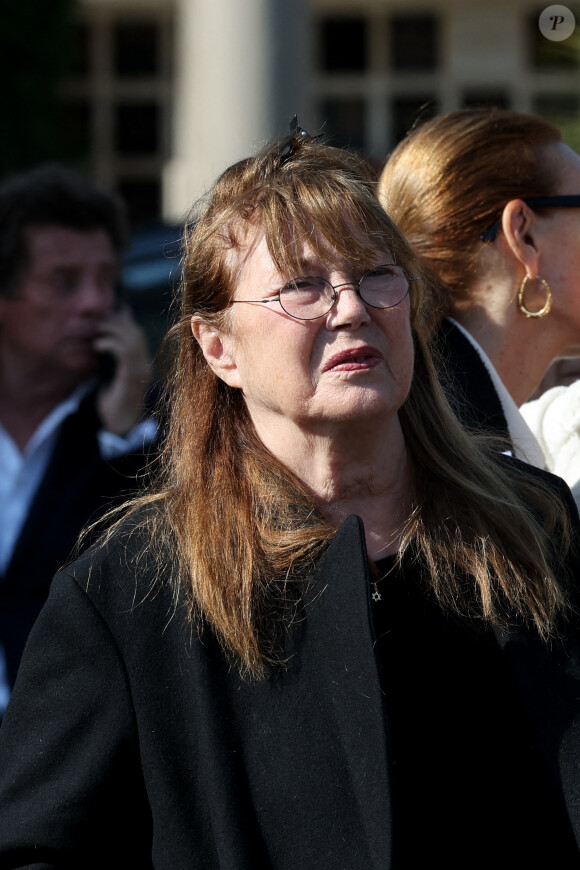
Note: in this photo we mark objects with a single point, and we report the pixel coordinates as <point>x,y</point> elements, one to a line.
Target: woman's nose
<point>349,308</point>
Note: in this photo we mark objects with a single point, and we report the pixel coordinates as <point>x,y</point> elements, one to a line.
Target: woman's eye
<point>381,271</point>
<point>298,284</point>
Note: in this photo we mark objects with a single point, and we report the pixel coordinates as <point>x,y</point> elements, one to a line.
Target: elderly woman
<point>338,634</point>
<point>490,200</point>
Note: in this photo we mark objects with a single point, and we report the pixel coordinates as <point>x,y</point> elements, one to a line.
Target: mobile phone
<point>106,367</point>
<point>107,363</point>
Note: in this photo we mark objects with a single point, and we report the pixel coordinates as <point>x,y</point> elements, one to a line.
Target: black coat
<point>130,742</point>
<point>77,487</point>
<point>467,382</point>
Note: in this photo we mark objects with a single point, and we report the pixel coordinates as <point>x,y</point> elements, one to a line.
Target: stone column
<point>241,68</point>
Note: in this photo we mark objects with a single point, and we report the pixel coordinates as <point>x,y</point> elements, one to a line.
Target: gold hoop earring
<point>547,304</point>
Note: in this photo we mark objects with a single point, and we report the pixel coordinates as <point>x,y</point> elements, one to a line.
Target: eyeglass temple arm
<point>271,299</point>
<point>561,201</point>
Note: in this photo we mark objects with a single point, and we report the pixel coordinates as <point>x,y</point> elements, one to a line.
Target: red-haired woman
<point>490,200</point>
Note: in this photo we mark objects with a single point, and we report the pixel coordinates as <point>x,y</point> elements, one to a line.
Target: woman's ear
<point>216,347</point>
<point>520,230</point>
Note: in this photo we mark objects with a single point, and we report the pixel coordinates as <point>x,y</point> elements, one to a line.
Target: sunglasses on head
<point>571,201</point>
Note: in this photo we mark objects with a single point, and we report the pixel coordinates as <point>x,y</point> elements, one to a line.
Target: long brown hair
<point>450,178</point>
<point>244,529</point>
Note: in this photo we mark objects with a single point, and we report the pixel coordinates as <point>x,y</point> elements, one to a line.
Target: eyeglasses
<point>571,201</point>
<point>308,298</point>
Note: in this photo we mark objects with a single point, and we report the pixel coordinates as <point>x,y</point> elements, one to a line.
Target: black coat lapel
<point>466,381</point>
<point>310,741</point>
<point>343,645</point>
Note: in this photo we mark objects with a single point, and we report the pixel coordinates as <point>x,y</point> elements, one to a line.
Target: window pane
<point>76,119</point>
<point>407,112</point>
<point>345,121</point>
<point>477,98</point>
<point>79,48</point>
<point>343,45</point>
<point>136,49</point>
<point>414,42</point>
<point>137,128</point>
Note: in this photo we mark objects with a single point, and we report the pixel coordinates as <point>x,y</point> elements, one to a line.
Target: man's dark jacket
<point>78,486</point>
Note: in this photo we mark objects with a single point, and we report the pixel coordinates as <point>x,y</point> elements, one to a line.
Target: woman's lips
<point>354,359</point>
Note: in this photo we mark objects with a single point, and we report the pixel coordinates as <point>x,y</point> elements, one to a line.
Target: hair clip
<point>298,135</point>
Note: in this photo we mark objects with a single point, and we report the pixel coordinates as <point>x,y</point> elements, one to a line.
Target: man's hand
<point>120,402</point>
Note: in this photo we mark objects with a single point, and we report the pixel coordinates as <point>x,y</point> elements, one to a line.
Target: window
<point>343,45</point>
<point>116,96</point>
<point>407,112</point>
<point>136,49</point>
<point>76,119</point>
<point>80,49</point>
<point>414,42</point>
<point>345,121</point>
<point>483,97</point>
<point>137,128</point>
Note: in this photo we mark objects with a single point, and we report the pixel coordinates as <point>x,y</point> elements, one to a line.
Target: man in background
<point>74,370</point>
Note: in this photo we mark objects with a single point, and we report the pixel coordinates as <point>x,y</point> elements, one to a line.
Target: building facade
<point>165,93</point>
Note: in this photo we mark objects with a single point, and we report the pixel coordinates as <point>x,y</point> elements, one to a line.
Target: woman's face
<point>354,363</point>
<point>560,244</point>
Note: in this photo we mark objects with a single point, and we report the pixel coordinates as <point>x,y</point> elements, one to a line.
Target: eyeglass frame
<point>564,201</point>
<point>334,287</point>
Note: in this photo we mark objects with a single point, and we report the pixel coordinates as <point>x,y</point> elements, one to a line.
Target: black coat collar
<point>342,646</point>
<point>466,381</point>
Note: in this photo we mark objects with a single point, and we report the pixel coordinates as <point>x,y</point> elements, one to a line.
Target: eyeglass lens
<point>308,298</point>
